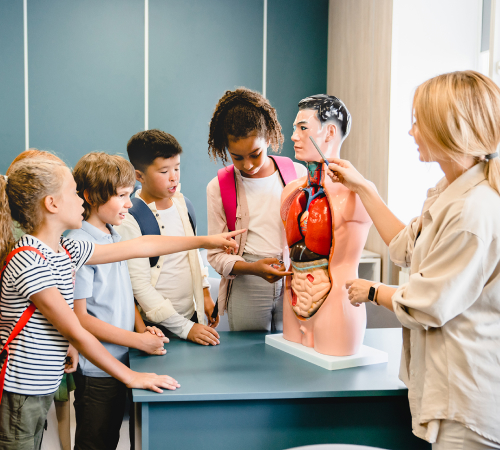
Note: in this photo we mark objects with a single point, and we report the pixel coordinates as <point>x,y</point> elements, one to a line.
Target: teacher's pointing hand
<point>342,171</point>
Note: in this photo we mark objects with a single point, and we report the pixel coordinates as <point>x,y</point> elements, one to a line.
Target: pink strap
<point>286,168</point>
<point>227,184</point>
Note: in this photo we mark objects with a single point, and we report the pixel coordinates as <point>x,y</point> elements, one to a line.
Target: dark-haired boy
<point>173,290</point>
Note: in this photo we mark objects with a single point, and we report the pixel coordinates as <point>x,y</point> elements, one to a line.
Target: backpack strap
<point>286,168</point>
<point>147,222</point>
<point>191,214</point>
<point>227,184</point>
<point>25,316</point>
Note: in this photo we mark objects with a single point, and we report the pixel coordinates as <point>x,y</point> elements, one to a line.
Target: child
<point>41,196</point>
<point>61,398</point>
<point>244,125</point>
<point>165,288</point>
<point>104,302</point>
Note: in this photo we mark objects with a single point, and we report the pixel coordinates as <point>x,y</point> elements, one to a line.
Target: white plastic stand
<point>365,356</point>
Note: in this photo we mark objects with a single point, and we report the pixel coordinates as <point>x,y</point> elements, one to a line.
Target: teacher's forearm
<point>384,296</point>
<point>386,223</point>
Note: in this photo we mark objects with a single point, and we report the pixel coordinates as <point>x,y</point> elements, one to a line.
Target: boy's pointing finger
<point>235,233</point>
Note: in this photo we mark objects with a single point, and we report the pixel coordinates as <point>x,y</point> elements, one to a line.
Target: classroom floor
<point>51,437</point>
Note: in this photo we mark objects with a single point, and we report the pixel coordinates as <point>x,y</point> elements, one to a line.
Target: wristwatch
<point>372,294</point>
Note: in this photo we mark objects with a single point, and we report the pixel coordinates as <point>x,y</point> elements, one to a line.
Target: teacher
<point>450,308</point>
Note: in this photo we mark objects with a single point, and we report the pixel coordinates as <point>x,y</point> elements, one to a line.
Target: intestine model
<point>326,229</point>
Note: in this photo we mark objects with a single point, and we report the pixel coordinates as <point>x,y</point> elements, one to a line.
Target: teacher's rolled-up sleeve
<point>449,279</point>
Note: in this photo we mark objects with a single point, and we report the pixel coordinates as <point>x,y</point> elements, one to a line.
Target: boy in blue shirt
<point>104,302</point>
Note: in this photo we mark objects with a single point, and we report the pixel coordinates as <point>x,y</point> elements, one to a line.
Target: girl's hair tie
<point>491,156</point>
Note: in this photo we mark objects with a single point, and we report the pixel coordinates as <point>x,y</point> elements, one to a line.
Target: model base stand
<point>364,357</point>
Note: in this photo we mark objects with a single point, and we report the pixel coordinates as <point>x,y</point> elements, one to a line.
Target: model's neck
<point>314,173</point>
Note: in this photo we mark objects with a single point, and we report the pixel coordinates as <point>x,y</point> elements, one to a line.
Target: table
<point>246,395</point>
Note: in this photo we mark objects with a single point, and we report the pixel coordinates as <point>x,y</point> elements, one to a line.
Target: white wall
<point>429,37</point>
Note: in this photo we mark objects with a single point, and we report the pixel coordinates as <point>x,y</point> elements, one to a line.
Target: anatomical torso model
<point>326,228</point>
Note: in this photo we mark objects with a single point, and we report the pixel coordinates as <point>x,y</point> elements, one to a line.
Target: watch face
<point>371,294</point>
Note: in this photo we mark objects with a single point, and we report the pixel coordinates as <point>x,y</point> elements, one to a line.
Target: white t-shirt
<point>175,281</point>
<point>37,354</point>
<point>265,227</point>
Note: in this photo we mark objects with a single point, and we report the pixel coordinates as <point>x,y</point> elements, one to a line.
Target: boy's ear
<point>86,197</point>
<point>139,176</point>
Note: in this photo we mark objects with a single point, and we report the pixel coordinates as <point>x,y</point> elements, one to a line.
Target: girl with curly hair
<point>244,125</point>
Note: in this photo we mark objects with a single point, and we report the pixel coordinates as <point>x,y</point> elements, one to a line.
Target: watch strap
<point>372,295</point>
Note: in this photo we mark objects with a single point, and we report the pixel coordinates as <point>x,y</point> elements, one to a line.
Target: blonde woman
<point>450,309</point>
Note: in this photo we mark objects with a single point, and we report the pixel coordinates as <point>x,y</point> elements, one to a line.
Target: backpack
<point>25,316</point>
<point>227,184</point>
<point>149,225</point>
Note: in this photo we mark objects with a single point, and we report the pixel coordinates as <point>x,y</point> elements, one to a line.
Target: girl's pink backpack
<point>227,185</point>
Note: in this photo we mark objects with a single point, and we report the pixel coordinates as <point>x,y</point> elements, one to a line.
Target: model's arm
<point>106,332</point>
<point>52,305</point>
<point>148,246</point>
<point>387,224</point>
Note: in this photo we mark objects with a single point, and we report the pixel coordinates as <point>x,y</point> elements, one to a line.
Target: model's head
<point>99,177</point>
<point>244,124</point>
<point>326,119</point>
<point>457,115</point>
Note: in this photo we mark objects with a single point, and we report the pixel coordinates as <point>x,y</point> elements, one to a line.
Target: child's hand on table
<point>203,335</point>
<point>152,343</point>
<point>156,331</point>
<point>152,382</point>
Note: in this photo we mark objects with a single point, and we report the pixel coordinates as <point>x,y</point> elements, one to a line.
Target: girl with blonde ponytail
<point>37,293</point>
<point>450,308</point>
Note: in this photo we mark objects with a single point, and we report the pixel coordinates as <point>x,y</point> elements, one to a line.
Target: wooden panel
<point>359,73</point>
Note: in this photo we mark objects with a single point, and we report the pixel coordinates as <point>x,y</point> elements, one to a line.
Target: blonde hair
<point>458,114</point>
<point>32,153</point>
<point>22,193</point>
<point>100,175</point>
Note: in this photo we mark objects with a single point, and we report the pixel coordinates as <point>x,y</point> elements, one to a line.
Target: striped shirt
<point>37,354</point>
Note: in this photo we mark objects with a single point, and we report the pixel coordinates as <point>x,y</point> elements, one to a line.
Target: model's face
<point>307,124</point>
<point>424,154</point>
<point>248,154</point>
<point>161,178</point>
<point>114,210</point>
<point>69,203</point>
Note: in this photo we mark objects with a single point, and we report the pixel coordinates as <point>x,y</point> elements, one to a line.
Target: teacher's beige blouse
<point>450,308</point>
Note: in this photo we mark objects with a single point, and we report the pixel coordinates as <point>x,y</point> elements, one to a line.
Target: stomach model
<point>308,225</point>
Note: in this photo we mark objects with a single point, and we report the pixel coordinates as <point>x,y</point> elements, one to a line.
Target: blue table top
<point>243,367</point>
